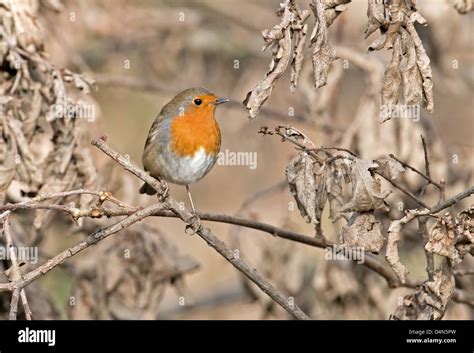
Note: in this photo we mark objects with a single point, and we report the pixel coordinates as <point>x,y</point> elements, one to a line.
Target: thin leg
<point>194,225</point>
<point>191,199</point>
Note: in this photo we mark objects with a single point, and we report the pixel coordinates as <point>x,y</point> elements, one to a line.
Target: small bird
<point>184,140</point>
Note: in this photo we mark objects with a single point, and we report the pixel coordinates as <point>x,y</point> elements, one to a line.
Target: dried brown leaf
<point>429,302</point>
<point>334,180</point>
<point>395,20</point>
<point>323,52</point>
<point>423,63</point>
<point>366,193</point>
<point>397,16</point>
<point>294,134</point>
<point>442,239</point>
<point>333,8</point>
<point>298,56</point>
<point>364,231</point>
<point>465,226</point>
<point>392,81</point>
<point>393,237</point>
<point>126,279</point>
<point>411,76</point>
<point>452,237</point>
<point>389,167</point>
<point>377,44</point>
<point>26,157</point>
<point>308,187</point>
<point>299,32</point>
<point>32,115</point>
<point>376,16</point>
<point>280,38</point>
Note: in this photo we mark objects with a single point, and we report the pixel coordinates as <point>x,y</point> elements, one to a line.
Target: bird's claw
<point>194,225</point>
<point>164,192</point>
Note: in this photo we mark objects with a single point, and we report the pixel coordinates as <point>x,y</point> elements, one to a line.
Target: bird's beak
<point>220,101</point>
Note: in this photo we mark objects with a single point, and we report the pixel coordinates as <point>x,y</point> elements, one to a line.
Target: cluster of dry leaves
<point>349,186</point>
<point>451,237</point>
<point>287,40</point>
<point>323,176</point>
<point>41,148</point>
<point>408,73</point>
<point>319,178</point>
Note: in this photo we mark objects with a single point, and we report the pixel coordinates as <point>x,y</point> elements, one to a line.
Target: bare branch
<point>14,274</point>
<point>14,304</point>
<point>214,242</point>
<point>424,176</point>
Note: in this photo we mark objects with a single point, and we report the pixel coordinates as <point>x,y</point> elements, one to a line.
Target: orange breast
<point>195,129</point>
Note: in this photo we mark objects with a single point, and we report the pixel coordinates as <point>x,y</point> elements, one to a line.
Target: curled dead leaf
<point>323,52</point>
<point>395,19</point>
<point>430,300</point>
<point>376,16</point>
<point>280,39</point>
<point>391,254</point>
<point>389,167</point>
<point>392,81</point>
<point>363,230</point>
<point>307,186</point>
<point>442,238</point>
<point>288,39</point>
<point>366,189</point>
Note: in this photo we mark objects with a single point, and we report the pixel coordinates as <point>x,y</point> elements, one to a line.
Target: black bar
<point>312,336</point>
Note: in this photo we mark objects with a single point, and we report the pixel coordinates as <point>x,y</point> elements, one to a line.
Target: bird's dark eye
<point>197,101</point>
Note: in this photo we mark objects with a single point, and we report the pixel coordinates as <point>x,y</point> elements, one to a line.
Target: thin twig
<point>427,161</point>
<point>427,165</point>
<point>26,305</point>
<point>14,304</point>
<point>453,200</point>
<point>14,271</point>
<point>402,189</point>
<point>44,197</point>
<point>423,175</point>
<point>428,254</point>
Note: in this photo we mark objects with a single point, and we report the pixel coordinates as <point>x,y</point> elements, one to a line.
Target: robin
<point>184,140</point>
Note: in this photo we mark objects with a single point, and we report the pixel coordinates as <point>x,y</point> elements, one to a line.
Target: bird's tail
<point>147,189</point>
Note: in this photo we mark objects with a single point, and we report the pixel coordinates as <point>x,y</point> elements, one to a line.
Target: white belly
<point>188,170</point>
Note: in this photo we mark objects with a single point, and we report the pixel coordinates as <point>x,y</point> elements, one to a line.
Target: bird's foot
<point>164,192</point>
<point>194,225</point>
